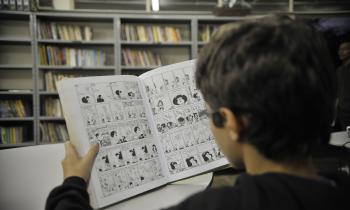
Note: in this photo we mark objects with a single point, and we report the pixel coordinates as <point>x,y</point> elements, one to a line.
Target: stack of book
<point>52,55</point>
<point>142,58</point>
<point>57,31</point>
<point>206,31</point>
<point>13,108</point>
<point>11,135</point>
<point>51,78</point>
<point>53,132</point>
<point>52,107</point>
<point>150,33</point>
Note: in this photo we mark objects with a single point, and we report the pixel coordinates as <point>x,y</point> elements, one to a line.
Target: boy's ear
<point>229,121</point>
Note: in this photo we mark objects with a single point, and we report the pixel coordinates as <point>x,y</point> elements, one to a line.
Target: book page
<point>182,125</point>
<point>110,110</point>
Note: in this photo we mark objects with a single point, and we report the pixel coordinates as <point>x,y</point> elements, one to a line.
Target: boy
<point>269,86</point>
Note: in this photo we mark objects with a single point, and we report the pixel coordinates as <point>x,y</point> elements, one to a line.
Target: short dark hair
<point>276,76</point>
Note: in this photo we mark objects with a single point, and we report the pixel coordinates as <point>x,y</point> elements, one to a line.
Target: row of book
<point>52,107</point>
<point>53,132</point>
<point>19,5</point>
<point>53,55</point>
<point>150,33</point>
<point>58,31</point>
<point>51,78</point>
<point>143,58</point>
<point>206,31</point>
<point>14,108</point>
<point>11,135</point>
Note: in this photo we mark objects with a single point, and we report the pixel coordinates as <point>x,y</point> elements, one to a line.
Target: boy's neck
<point>256,164</point>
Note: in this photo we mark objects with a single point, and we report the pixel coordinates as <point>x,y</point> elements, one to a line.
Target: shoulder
<point>211,199</point>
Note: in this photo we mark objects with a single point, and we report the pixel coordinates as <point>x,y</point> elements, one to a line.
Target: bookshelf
<point>17,82</point>
<point>83,40</point>
<point>24,75</point>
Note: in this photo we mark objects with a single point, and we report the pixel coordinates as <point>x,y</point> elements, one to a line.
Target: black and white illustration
<point>151,170</point>
<point>150,87</point>
<point>119,91</point>
<point>206,152</point>
<point>169,81</point>
<point>191,157</point>
<point>108,185</point>
<point>85,94</point>
<point>161,103</point>
<point>132,90</point>
<point>166,122</point>
<point>90,115</point>
<point>117,111</point>
<point>102,92</point>
<point>104,113</point>
<point>175,163</point>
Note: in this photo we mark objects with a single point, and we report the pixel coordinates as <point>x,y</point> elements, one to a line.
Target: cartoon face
<point>180,99</point>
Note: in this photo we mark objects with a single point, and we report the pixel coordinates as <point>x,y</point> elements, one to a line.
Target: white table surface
<point>28,174</point>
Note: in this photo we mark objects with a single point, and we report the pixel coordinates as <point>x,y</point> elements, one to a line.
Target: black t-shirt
<point>251,192</point>
<point>343,74</point>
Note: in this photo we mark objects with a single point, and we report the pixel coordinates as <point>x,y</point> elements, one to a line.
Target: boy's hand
<point>74,165</point>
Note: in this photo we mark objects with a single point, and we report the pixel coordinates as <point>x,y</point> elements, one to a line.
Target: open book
<point>152,129</point>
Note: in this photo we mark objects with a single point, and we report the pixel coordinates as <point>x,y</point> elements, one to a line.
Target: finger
<point>92,153</point>
<point>70,150</point>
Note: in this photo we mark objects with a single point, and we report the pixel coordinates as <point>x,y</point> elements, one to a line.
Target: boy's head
<point>272,85</point>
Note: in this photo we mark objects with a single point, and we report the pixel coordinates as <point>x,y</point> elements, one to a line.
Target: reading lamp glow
<point>155,5</point>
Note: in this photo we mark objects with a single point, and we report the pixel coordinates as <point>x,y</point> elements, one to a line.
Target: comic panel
<point>134,109</point>
<point>107,184</point>
<point>100,135</point>
<point>132,177</point>
<point>132,90</point>
<point>191,158</point>
<point>166,122</point>
<point>206,152</point>
<point>217,152</point>
<point>161,103</point>
<point>102,92</point>
<point>118,112</point>
<point>166,143</point>
<point>119,91</point>
<point>85,94</point>
<point>150,88</point>
<point>150,170</point>
<point>159,84</point>
<point>177,141</point>
<point>169,80</point>
<point>180,78</point>
<point>175,163</point>
<point>188,137</point>
<point>189,76</point>
<point>90,115</point>
<point>103,161</point>
<point>180,117</point>
<point>104,113</point>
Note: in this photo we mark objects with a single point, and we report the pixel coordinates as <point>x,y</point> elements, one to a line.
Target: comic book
<point>152,129</point>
